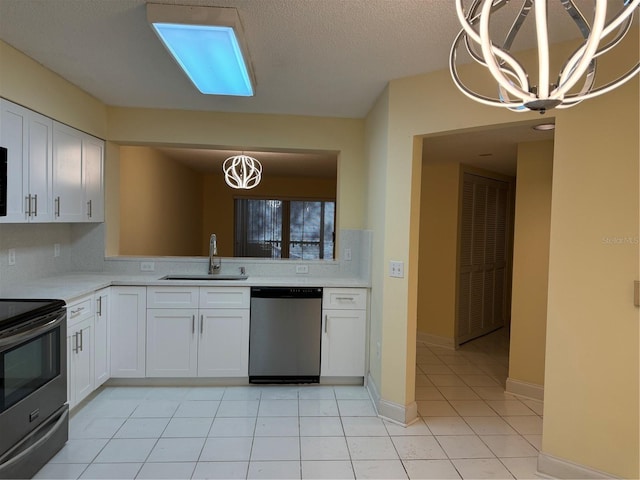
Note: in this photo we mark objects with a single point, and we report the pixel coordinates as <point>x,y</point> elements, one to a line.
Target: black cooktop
<point>16,310</point>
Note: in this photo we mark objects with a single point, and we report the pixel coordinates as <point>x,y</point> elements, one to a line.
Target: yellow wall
<point>130,126</point>
<point>590,307</point>
<point>218,205</point>
<point>438,249</point>
<point>591,374</point>
<point>376,151</point>
<point>531,262</point>
<point>160,205</point>
<point>26,82</point>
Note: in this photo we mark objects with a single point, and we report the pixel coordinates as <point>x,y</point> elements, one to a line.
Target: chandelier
<point>242,172</point>
<point>514,89</point>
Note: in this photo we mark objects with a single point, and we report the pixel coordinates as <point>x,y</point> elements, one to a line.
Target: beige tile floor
<point>468,428</point>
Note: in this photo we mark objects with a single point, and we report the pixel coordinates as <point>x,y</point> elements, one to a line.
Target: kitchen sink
<point>205,277</point>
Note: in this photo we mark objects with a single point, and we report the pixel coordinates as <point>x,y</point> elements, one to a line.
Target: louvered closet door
<point>482,264</point>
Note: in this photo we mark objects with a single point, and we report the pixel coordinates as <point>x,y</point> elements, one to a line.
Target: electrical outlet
<point>147,266</point>
<point>347,254</point>
<point>56,249</point>
<point>396,269</point>
<point>302,268</point>
<point>12,256</point>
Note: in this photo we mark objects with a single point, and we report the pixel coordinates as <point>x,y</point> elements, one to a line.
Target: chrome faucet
<point>214,261</point>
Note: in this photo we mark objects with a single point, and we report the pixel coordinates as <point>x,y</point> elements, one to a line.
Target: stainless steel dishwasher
<point>284,335</point>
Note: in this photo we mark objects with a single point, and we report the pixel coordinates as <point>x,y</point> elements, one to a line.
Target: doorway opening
<point>464,282</point>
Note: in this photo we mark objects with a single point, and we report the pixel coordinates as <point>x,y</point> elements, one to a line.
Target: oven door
<point>33,383</point>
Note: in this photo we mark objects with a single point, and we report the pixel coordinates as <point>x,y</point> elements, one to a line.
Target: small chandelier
<point>242,172</point>
<point>514,89</point>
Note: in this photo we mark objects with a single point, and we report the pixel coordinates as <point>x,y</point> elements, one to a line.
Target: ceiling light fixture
<point>544,127</point>
<point>242,172</point>
<point>514,90</point>
<point>208,44</point>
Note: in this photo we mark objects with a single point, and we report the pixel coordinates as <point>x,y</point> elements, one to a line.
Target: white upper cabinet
<point>68,177</point>
<point>55,173</point>
<point>93,165</point>
<point>27,136</point>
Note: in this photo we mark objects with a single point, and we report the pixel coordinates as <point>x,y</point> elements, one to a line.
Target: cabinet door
<point>83,360</point>
<point>223,350</point>
<point>14,135</point>
<point>172,342</point>
<point>67,174</point>
<point>80,361</point>
<point>127,331</point>
<point>343,343</point>
<point>92,159</point>
<point>40,168</point>
<point>101,337</point>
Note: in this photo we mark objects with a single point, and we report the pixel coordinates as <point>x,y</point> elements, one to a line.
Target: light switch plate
<point>12,256</point>
<point>56,249</point>
<point>347,254</point>
<point>396,269</point>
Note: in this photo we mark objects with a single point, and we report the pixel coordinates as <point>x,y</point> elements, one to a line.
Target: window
<point>278,228</point>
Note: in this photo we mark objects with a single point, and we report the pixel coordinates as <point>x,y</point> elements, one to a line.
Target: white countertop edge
<point>72,286</point>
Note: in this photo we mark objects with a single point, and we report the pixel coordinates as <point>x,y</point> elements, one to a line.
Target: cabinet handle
<point>81,341</point>
<point>193,324</point>
<point>99,306</point>
<point>27,205</point>
<point>35,202</point>
<point>57,206</point>
<point>75,342</point>
<point>201,324</point>
<point>326,323</point>
<point>76,312</point>
<point>89,208</point>
<point>340,299</point>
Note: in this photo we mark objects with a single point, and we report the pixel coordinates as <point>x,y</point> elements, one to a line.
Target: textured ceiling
<point>310,57</point>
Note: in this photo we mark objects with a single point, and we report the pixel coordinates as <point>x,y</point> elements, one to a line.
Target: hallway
<point>485,432</point>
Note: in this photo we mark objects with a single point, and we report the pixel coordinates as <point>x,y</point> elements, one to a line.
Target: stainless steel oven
<point>33,384</point>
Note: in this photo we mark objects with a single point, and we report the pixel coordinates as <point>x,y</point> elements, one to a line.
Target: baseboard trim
<point>524,389</point>
<point>401,414</point>
<point>554,467</point>
<point>445,342</point>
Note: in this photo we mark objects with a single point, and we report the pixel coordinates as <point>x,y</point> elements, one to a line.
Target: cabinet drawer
<point>224,297</point>
<point>345,298</point>
<point>172,297</point>
<point>79,310</point>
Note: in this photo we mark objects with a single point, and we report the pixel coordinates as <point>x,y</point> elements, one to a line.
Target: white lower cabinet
<point>172,342</point>
<point>223,349</point>
<point>127,333</point>
<point>343,350</point>
<point>203,342</point>
<point>101,337</point>
<point>80,350</point>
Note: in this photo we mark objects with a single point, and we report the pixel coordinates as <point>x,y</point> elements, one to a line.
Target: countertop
<point>70,286</point>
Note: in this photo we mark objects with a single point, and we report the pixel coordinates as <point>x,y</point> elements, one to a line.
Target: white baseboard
<point>554,467</point>
<point>436,340</point>
<point>401,414</point>
<point>524,389</point>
